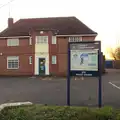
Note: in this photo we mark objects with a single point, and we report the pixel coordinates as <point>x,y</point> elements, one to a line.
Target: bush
<point>38,112</point>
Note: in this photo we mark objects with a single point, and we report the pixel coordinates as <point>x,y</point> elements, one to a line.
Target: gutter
<point>82,35</point>
<point>16,37</point>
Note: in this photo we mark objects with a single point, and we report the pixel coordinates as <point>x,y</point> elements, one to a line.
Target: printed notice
<point>84,60</point>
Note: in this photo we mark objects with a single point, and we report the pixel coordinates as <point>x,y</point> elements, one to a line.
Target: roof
<point>63,26</point>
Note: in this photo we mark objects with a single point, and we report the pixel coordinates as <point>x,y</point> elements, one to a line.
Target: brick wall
<point>24,50</point>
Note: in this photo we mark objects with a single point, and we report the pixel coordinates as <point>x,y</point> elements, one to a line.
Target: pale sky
<point>100,15</point>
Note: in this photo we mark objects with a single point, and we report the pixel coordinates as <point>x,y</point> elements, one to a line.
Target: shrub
<point>38,112</point>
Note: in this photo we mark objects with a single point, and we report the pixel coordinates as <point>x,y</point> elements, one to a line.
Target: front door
<point>41,66</point>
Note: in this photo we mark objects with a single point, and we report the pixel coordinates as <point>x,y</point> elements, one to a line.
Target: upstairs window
<point>30,41</point>
<point>75,39</point>
<point>12,42</point>
<point>53,39</point>
<point>41,39</point>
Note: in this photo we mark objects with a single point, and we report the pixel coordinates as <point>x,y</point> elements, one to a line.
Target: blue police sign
<point>84,59</point>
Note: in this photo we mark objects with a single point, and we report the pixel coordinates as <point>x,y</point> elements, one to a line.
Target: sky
<point>100,15</point>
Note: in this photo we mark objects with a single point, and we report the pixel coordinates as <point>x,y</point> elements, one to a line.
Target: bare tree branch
<point>115,53</point>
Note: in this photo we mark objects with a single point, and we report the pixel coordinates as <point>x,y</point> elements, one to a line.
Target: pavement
<point>53,91</point>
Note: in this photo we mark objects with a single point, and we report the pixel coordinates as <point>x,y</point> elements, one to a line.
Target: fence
<point>116,64</point>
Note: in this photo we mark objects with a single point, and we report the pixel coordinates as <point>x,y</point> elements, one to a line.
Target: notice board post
<point>84,59</point>
<point>100,76</point>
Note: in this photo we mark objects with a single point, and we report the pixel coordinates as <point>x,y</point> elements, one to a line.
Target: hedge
<point>38,112</point>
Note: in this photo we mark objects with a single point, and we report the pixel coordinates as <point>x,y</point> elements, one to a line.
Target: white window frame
<point>75,39</point>
<point>13,42</point>
<point>54,59</point>
<point>30,59</point>
<point>54,40</point>
<point>41,39</point>
<point>30,41</point>
<point>12,59</point>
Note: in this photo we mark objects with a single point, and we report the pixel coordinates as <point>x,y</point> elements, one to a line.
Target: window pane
<point>45,41</point>
<point>12,65</point>
<point>16,65</point>
<point>9,65</point>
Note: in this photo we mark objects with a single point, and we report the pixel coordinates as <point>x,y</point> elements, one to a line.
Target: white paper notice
<point>84,60</point>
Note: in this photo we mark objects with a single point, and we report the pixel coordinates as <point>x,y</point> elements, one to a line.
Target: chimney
<point>10,22</point>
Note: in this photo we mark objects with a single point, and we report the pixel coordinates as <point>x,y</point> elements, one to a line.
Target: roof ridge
<point>48,17</point>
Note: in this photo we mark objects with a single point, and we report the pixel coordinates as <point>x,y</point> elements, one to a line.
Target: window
<point>75,39</point>
<point>12,62</point>
<point>30,59</point>
<point>13,42</point>
<point>53,39</point>
<point>30,41</point>
<point>54,61</point>
<point>41,39</point>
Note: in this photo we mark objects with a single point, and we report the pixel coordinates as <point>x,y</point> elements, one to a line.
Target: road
<point>52,92</point>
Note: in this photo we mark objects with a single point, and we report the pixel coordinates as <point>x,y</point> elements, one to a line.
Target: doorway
<point>41,66</point>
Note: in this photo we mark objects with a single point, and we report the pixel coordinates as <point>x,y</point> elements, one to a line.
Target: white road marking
<point>114,85</point>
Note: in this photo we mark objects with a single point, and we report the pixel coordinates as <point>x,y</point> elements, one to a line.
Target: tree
<point>115,53</point>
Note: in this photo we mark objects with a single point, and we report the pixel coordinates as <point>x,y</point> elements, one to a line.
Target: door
<point>41,66</point>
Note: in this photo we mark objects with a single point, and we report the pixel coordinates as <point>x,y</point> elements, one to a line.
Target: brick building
<point>38,46</point>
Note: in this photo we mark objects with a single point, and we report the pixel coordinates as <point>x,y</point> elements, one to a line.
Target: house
<point>38,46</point>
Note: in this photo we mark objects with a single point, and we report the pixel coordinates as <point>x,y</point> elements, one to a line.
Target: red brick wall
<point>24,50</point>
<point>23,42</point>
<point>62,45</point>
<point>88,38</point>
<point>62,55</point>
<point>53,50</point>
<point>3,43</point>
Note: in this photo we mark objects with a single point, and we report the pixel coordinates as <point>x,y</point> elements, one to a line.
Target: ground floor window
<point>12,62</point>
<point>54,59</point>
<point>30,59</point>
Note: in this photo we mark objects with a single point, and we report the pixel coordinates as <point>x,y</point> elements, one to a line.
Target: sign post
<point>68,78</point>
<point>84,59</point>
<point>100,78</point>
